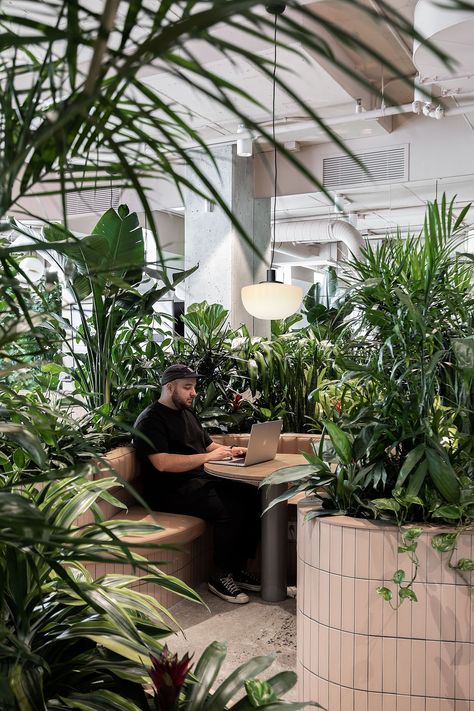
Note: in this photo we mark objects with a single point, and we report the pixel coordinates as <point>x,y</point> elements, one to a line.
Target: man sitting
<point>175,481</point>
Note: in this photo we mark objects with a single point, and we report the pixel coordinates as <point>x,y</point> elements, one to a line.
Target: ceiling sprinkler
<point>428,107</point>
<point>433,111</point>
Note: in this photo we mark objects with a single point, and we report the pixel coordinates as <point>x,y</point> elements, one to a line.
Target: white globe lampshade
<point>271,300</point>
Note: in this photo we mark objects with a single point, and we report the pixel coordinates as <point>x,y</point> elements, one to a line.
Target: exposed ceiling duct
<point>449,30</point>
<point>320,231</point>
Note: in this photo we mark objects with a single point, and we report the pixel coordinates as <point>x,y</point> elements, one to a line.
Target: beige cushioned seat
<point>178,528</point>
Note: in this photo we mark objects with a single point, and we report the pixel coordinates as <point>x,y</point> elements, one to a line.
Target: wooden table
<point>274,522</point>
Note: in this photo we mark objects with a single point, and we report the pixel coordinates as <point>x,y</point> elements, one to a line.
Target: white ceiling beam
<point>354,88</point>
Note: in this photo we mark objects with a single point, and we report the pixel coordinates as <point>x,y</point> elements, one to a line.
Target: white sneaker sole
<point>241,598</point>
<point>248,586</point>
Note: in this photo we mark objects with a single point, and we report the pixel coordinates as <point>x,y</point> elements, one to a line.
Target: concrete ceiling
<point>330,92</point>
<point>377,208</point>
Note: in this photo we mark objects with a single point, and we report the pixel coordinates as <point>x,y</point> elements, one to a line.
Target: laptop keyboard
<point>227,459</point>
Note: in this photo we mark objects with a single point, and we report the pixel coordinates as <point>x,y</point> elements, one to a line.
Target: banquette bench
<point>191,560</point>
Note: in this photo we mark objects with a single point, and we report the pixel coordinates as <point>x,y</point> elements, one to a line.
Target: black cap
<point>177,372</point>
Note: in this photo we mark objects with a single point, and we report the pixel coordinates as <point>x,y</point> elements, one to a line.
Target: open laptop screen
<point>262,445</point>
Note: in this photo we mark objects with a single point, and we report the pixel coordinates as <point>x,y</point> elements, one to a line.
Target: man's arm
<point>178,463</point>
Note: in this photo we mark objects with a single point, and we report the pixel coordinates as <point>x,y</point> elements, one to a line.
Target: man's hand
<point>220,453</point>
<point>238,451</point>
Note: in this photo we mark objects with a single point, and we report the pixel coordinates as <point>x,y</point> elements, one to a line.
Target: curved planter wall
<point>357,654</point>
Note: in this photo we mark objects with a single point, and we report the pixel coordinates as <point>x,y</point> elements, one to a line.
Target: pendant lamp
<point>271,299</point>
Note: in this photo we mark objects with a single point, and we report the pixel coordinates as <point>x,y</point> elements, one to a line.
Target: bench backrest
<point>290,442</point>
<point>123,461</point>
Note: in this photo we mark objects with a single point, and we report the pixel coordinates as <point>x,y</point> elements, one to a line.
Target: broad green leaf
<point>340,441</point>
<point>448,512</point>
<point>260,693</point>
<point>53,368</point>
<point>399,576</point>
<point>233,684</point>
<point>99,700</point>
<point>409,548</point>
<point>415,481</point>
<point>19,458</point>
<point>123,647</point>
<point>386,504</point>
<point>289,474</point>
<point>282,682</point>
<point>465,564</point>
<point>26,439</point>
<point>410,462</point>
<point>206,671</point>
<point>411,534</point>
<point>443,542</point>
<point>407,594</point>
<point>443,476</point>
<point>384,592</point>
<point>320,513</point>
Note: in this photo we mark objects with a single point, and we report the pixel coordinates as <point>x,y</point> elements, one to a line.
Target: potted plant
<point>399,491</point>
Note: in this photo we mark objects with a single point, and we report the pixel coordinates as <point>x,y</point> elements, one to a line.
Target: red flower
<point>235,404</point>
<point>168,675</point>
<point>338,406</point>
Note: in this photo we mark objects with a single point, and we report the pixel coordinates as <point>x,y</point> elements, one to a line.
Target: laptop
<point>262,445</point>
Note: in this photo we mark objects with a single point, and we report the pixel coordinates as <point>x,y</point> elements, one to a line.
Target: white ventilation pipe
<point>320,231</point>
<point>450,30</point>
<point>436,22</point>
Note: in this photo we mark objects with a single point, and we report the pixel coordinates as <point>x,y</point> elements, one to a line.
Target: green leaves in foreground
<point>198,693</point>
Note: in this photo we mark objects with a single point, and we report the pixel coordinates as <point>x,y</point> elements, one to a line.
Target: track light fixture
<point>244,141</point>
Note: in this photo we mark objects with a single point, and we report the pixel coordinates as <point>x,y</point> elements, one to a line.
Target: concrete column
<point>226,262</point>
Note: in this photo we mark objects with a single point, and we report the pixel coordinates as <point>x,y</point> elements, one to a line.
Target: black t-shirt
<point>172,432</point>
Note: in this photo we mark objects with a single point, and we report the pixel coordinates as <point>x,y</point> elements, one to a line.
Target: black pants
<point>232,507</point>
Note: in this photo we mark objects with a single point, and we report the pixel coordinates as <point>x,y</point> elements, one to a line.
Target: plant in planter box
<point>404,450</point>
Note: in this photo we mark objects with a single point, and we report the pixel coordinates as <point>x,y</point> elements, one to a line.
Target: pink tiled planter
<point>357,654</point>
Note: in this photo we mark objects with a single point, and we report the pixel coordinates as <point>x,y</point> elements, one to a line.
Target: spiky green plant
<point>405,447</point>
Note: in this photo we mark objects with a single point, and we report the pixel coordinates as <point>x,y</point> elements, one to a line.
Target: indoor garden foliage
<point>402,436</point>
<point>76,116</point>
<point>70,640</point>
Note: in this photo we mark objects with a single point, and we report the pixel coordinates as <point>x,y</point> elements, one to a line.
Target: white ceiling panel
<point>299,70</point>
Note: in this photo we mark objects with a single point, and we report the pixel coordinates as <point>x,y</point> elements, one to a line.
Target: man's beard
<point>179,402</point>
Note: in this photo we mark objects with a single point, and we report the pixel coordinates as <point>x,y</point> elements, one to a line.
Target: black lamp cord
<point>275,162</point>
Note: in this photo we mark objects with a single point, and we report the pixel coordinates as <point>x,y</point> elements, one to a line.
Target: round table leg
<point>274,545</point>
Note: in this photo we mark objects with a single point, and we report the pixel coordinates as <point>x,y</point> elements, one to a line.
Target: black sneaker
<point>247,581</point>
<point>226,588</point>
